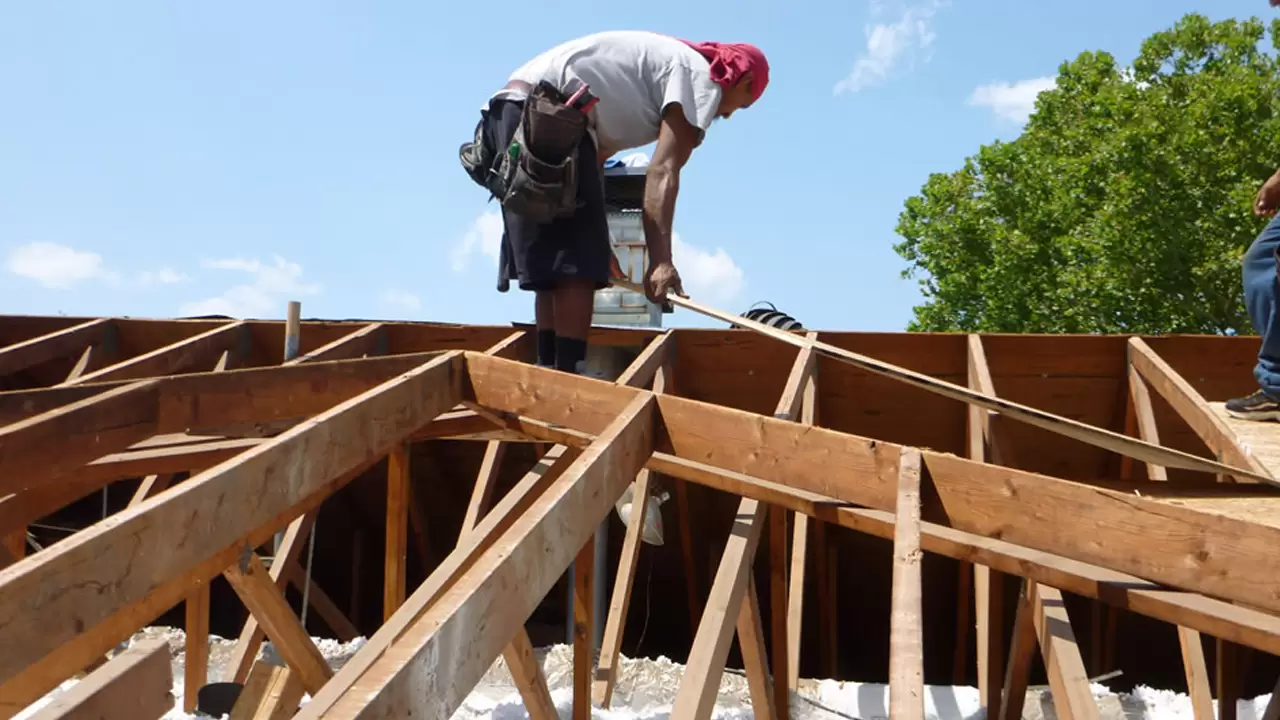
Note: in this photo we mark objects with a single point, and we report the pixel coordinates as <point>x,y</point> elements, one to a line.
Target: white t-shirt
<point>636,75</point>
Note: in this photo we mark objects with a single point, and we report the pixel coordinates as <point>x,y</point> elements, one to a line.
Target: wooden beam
<point>611,642</point>
<point>1022,649</point>
<point>194,351</point>
<point>39,450</point>
<point>60,343</point>
<point>262,596</point>
<point>1211,616</point>
<point>1197,672</point>
<point>1182,547</point>
<point>799,552</point>
<point>1145,419</point>
<point>397,539</point>
<point>486,479</point>
<point>1068,681</point>
<point>642,370</point>
<point>1095,436</point>
<point>134,685</point>
<point>906,625</point>
<point>325,607</point>
<point>583,624</point>
<point>196,629</point>
<point>271,693</point>
<point>700,683</point>
<point>215,510</point>
<point>441,656</point>
<point>365,341</point>
<point>988,584</point>
<point>193,402</point>
<point>751,642</point>
<point>1192,408</point>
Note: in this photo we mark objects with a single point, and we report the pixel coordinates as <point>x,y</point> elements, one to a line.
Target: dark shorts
<point>539,257</point>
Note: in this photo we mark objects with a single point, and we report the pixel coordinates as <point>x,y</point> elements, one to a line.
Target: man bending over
<point>541,146</point>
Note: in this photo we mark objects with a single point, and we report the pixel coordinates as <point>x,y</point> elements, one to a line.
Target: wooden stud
<point>611,642</point>
<point>583,622</point>
<point>134,685</point>
<point>906,627</point>
<point>358,343</point>
<point>1021,653</point>
<point>196,667</point>
<point>751,641</point>
<point>199,350</point>
<point>397,540</point>
<point>263,598</point>
<point>60,343</point>
<point>1068,681</point>
<point>1197,672</point>
<point>270,693</point>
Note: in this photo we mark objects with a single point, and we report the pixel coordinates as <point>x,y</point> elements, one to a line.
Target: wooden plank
<point>134,685</point>
<point>611,641</point>
<point>193,402</point>
<point>642,370</point>
<point>196,665</point>
<point>1183,547</point>
<point>200,350</point>
<point>251,633</point>
<point>1022,649</point>
<point>364,341</point>
<point>214,509</point>
<point>906,626</point>
<point>487,478</point>
<point>700,683</point>
<point>325,607</point>
<point>1145,419</point>
<point>262,596</point>
<point>583,624</point>
<point>799,553</point>
<point>51,346</point>
<point>1214,617</point>
<point>270,693</point>
<point>1095,436</point>
<point>1068,681</point>
<point>988,584</point>
<point>397,540</point>
<point>439,658</point>
<point>751,642</point>
<point>39,450</point>
<point>1197,672</point>
<point>1192,408</point>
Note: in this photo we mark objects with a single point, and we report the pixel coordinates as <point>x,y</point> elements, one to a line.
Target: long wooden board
<point>1099,437</point>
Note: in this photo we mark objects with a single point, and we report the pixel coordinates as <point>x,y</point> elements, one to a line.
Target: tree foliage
<point>1124,206</point>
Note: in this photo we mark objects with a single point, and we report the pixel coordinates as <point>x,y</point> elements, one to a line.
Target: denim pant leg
<point>1260,289</point>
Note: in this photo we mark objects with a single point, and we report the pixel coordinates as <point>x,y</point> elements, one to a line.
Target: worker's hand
<point>661,278</point>
<point>1268,199</point>
<point>615,267</point>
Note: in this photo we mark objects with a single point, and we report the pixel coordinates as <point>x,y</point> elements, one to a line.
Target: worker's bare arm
<point>677,138</point>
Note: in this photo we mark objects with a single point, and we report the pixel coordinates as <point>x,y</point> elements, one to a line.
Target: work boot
<point>1258,406</point>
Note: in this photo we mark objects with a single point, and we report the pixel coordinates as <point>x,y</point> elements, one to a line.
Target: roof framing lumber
<point>440,657</point>
<point>1205,614</point>
<point>1191,406</point>
<point>54,345</point>
<point>54,595</point>
<point>134,685</point>
<point>368,340</point>
<point>202,349</point>
<point>1183,547</point>
<point>1098,437</point>
<point>906,624</point>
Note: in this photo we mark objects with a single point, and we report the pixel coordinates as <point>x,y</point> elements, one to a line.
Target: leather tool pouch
<point>536,175</point>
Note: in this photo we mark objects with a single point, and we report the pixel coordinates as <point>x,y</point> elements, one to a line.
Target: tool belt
<point>536,174</point>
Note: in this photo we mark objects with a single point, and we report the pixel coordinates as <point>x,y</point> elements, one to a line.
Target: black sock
<point>547,348</point>
<point>570,352</point>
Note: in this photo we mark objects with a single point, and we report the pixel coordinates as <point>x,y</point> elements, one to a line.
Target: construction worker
<point>541,145</point>
<point>1260,270</point>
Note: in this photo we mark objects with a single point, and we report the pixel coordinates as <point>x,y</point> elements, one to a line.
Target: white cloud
<point>483,237</point>
<point>904,40</point>
<point>712,278</point>
<point>1014,102</point>
<point>163,276</point>
<point>402,300</point>
<point>265,294</point>
<point>57,266</point>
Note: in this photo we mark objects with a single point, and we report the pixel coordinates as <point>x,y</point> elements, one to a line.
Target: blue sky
<point>163,159</point>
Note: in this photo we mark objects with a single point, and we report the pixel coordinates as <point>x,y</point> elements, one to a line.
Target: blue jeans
<point>1260,289</point>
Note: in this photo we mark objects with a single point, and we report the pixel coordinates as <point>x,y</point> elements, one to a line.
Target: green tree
<point>1124,206</point>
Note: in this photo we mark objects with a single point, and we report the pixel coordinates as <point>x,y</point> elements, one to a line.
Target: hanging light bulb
<point>651,533</point>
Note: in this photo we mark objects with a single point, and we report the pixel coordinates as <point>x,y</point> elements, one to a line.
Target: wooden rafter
<point>52,346</point>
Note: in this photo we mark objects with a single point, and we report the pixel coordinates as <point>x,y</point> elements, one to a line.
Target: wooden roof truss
<point>267,443</point>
